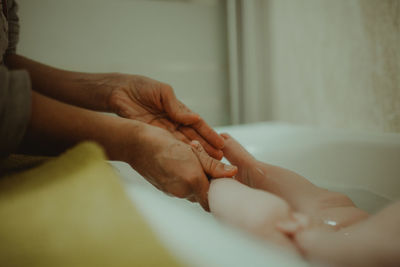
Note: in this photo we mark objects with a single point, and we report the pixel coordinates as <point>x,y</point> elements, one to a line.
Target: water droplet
<point>330,222</point>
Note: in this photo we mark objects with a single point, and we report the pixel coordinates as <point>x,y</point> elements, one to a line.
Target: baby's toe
<point>235,152</point>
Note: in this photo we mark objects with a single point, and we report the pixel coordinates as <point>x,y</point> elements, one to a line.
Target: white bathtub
<point>364,166</point>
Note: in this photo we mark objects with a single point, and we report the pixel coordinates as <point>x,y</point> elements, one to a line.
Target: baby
<point>286,209</point>
<point>269,216</point>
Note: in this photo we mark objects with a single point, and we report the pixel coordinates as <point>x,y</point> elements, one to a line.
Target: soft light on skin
<point>256,211</point>
<point>330,222</point>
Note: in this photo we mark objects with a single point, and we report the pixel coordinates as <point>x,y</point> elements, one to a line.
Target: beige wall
<point>334,63</point>
<point>180,42</point>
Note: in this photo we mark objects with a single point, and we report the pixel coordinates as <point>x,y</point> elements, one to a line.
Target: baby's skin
<point>257,211</point>
<point>286,209</point>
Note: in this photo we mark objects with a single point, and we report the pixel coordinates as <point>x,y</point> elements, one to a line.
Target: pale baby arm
<point>321,205</point>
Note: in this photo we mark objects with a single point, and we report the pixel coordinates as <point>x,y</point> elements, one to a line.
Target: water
<point>363,199</point>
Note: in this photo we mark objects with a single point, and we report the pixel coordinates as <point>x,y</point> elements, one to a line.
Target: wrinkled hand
<point>147,100</point>
<point>214,168</point>
<point>170,165</point>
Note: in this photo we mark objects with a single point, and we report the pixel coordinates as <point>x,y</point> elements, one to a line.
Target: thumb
<point>211,166</point>
<point>176,110</point>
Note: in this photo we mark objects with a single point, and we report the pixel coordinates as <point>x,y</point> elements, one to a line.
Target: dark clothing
<point>15,88</point>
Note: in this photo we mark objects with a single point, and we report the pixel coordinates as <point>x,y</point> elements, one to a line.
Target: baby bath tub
<point>364,166</point>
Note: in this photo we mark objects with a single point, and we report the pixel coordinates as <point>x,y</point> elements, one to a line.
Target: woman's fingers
<point>211,136</point>
<point>175,109</point>
<point>181,114</point>
<point>187,134</point>
<point>172,128</point>
<point>193,135</point>
<point>211,166</point>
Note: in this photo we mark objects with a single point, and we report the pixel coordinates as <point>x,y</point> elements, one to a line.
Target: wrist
<point>87,90</point>
<point>99,88</point>
<point>122,138</point>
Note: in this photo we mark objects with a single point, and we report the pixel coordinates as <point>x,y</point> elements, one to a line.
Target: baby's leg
<point>321,205</point>
<point>256,211</point>
<point>372,242</point>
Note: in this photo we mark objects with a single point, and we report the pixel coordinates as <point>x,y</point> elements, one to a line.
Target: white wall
<point>334,63</point>
<point>182,43</point>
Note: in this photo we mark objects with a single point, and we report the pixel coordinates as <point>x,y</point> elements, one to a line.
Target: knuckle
<point>167,88</point>
<point>217,167</point>
<point>199,123</point>
<point>182,138</point>
<point>211,166</point>
<point>199,147</point>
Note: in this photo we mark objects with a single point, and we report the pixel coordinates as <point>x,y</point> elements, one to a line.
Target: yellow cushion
<point>73,211</point>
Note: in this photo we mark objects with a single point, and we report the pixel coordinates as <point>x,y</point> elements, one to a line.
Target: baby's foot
<point>250,171</point>
<point>236,153</point>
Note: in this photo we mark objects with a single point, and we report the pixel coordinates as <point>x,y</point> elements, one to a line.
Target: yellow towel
<point>73,211</point>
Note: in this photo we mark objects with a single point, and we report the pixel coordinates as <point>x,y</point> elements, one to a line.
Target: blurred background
<point>327,63</point>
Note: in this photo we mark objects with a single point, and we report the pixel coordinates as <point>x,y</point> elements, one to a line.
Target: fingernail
<point>229,167</point>
<point>225,136</point>
<point>190,113</point>
<point>195,115</point>
<point>219,155</point>
<point>195,143</point>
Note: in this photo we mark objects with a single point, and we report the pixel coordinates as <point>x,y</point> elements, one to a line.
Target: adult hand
<point>130,96</point>
<point>167,163</point>
<point>214,168</point>
<point>150,101</point>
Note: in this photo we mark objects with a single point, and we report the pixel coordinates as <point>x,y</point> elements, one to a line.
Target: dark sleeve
<point>13,27</point>
<point>15,108</point>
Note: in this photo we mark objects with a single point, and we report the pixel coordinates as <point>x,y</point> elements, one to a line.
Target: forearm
<point>55,126</point>
<point>286,184</point>
<point>86,90</point>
